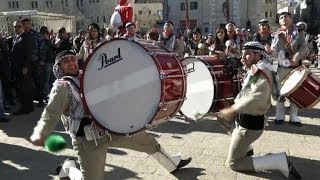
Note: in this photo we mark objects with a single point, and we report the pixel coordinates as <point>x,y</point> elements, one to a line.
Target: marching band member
<point>252,103</point>
<point>263,36</point>
<point>290,47</point>
<point>65,104</point>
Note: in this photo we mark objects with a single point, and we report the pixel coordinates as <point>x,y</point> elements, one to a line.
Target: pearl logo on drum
<point>105,62</point>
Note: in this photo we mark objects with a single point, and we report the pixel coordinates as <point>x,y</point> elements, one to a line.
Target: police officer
<point>252,103</point>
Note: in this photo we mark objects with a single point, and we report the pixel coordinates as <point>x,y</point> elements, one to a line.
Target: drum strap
<point>274,84</point>
<point>79,118</point>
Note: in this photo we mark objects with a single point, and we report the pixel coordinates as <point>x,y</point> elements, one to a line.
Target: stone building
<point>148,14</point>
<point>86,11</point>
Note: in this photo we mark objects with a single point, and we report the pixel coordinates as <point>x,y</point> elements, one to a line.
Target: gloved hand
<point>285,63</point>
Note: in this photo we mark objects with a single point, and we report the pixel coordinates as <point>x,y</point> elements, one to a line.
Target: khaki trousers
<point>241,139</point>
<point>92,158</point>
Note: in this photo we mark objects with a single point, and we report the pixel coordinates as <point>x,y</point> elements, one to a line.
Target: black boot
<point>183,163</point>
<point>249,153</point>
<point>293,172</point>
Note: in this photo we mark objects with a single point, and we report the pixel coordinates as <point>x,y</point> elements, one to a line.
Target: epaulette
<point>61,82</point>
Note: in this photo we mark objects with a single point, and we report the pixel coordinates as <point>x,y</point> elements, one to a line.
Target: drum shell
<point>306,93</point>
<point>227,85</point>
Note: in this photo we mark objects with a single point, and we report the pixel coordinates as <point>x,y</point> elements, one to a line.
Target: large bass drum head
<point>200,89</point>
<point>121,86</point>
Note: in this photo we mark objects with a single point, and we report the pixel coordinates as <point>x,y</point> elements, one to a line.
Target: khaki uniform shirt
<point>57,109</point>
<point>255,96</point>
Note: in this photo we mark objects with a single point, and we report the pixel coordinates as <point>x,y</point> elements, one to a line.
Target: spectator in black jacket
<point>3,61</point>
<point>49,61</point>
<point>21,57</point>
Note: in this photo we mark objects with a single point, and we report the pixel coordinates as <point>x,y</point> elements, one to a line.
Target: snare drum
<point>128,86</point>
<point>210,87</point>
<point>302,88</point>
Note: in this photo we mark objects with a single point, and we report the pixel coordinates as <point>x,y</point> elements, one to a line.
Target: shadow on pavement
<point>177,127</point>
<point>306,129</point>
<point>189,173</point>
<point>307,168</point>
<point>17,162</point>
<point>116,151</point>
<point>307,113</point>
<point>22,126</point>
<point>120,173</point>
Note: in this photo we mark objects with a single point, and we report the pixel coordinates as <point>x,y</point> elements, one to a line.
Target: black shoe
<point>4,119</point>
<point>293,172</point>
<point>279,121</point>
<point>298,124</point>
<point>183,163</point>
<point>249,153</point>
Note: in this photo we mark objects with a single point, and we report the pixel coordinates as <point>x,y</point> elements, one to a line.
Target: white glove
<point>285,63</point>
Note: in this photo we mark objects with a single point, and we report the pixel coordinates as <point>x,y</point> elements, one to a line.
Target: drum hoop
<point>82,74</point>
<point>214,79</point>
<point>299,83</point>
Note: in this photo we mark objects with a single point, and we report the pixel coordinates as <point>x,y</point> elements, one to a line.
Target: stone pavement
<point>205,141</point>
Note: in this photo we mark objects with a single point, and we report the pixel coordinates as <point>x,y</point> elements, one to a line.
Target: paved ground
<point>205,141</point>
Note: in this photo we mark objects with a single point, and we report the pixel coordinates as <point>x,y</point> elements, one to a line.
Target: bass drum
<point>200,89</point>
<point>129,86</point>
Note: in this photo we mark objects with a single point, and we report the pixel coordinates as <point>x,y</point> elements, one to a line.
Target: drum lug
<point>162,76</point>
<point>161,104</point>
<point>151,53</point>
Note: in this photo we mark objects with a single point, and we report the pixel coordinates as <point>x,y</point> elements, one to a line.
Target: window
<point>81,3</point>
<point>17,4</point>
<point>206,29</point>
<point>89,1</point>
<point>97,19</point>
<point>266,1</point>
<point>140,12</point>
<point>266,14</point>
<point>10,6</point>
<point>97,1</point>
<point>34,4</point>
<point>49,4</point>
<point>77,3</point>
<point>149,12</point>
<point>270,15</point>
<point>193,5</point>
<point>104,19</point>
<point>183,6</point>
<point>67,3</point>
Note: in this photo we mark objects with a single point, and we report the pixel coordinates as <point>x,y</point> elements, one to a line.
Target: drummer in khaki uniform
<point>252,103</point>
<point>290,47</point>
<point>65,104</point>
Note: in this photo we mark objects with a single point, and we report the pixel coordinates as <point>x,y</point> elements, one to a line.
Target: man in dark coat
<point>21,57</point>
